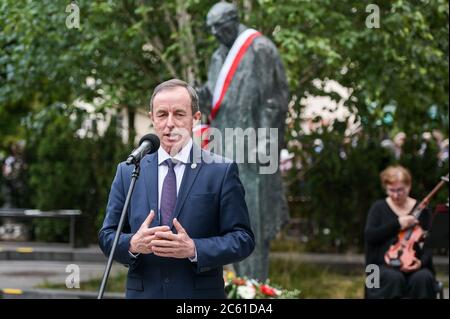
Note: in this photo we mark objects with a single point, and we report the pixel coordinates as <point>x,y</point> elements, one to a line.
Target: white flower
<point>246,292</point>
<point>277,291</point>
<point>252,282</point>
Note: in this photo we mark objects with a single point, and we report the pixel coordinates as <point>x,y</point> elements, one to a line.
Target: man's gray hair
<point>174,83</point>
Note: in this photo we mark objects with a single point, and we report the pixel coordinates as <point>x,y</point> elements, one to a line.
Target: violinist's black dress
<point>382,228</point>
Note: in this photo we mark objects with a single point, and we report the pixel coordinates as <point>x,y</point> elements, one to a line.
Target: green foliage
<point>403,63</point>
<point>68,171</point>
<point>109,152</point>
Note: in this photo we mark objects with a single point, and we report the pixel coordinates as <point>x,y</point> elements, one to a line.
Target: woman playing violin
<point>386,218</point>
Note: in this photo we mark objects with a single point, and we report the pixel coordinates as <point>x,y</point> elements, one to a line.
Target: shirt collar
<point>182,156</point>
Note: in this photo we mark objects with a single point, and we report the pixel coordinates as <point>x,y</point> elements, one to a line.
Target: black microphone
<point>147,145</point>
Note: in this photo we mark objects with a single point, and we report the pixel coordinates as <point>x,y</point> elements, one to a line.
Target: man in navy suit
<point>187,216</point>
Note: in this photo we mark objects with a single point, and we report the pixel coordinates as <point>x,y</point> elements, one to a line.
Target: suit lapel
<point>190,174</point>
<point>151,184</point>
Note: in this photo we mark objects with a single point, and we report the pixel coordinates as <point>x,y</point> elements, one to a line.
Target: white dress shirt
<point>181,159</point>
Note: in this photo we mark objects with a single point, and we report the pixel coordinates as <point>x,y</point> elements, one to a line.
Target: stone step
<point>50,252</point>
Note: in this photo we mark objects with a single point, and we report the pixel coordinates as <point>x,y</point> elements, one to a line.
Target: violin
<point>402,254</point>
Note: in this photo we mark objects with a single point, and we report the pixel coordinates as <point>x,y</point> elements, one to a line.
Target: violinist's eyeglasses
<point>400,190</point>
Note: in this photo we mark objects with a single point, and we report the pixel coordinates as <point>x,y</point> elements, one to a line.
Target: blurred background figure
<point>286,160</point>
<point>396,144</point>
<point>443,146</point>
<point>12,190</point>
<point>12,169</point>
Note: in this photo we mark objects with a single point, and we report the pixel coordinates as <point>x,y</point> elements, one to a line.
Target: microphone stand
<point>134,177</point>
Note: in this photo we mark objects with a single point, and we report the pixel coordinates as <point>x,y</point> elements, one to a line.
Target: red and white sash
<point>229,67</point>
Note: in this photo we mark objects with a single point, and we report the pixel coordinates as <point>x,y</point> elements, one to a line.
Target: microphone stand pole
<point>134,177</point>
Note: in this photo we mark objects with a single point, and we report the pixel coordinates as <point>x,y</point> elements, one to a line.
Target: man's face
<point>172,118</point>
<point>225,30</point>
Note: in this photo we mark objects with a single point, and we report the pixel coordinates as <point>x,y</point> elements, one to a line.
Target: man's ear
<point>197,116</point>
<point>150,116</point>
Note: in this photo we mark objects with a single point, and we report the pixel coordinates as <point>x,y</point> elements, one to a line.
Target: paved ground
<point>29,274</point>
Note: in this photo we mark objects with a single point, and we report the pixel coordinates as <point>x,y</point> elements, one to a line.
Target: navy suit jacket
<point>210,206</point>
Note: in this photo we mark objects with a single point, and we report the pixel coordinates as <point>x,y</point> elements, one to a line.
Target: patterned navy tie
<point>169,193</point>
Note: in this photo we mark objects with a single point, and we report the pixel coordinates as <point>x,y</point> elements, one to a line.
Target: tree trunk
<point>247,10</point>
<point>131,129</point>
<point>188,56</point>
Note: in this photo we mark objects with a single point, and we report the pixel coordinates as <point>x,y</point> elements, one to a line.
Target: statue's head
<point>223,22</point>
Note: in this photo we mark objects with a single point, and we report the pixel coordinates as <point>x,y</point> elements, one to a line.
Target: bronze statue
<point>247,88</point>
